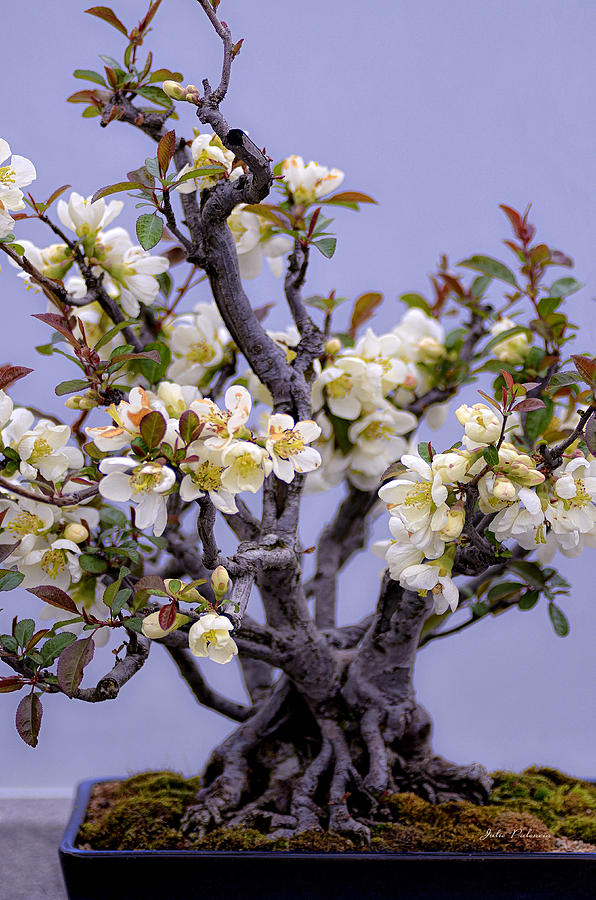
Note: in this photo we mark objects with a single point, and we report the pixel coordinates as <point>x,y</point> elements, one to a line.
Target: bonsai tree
<point>185,418</point>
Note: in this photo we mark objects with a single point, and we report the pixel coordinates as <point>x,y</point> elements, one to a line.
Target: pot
<point>253,875</point>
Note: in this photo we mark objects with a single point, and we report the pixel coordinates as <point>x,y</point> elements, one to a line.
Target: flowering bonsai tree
<point>186,418</point>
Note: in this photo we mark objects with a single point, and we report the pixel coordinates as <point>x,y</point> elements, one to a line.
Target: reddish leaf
<point>9,374</point>
<point>175,255</point>
<point>590,434</point>
<point>7,549</point>
<point>189,422</point>
<point>108,15</point>
<point>153,428</point>
<point>529,404</point>
<point>165,151</point>
<point>364,308</point>
<point>28,719</point>
<point>352,197</point>
<point>586,367</point>
<point>167,616</point>
<point>150,583</point>
<point>111,76</point>
<point>261,312</point>
<point>71,664</point>
<point>116,189</point>
<point>514,217</point>
<point>55,194</point>
<point>149,15</point>
<point>60,324</point>
<point>508,379</point>
<point>55,597</point>
<point>12,683</point>
<point>86,96</point>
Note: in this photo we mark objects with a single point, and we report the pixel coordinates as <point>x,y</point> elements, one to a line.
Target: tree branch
<point>311,344</point>
<point>65,500</point>
<point>203,692</point>
<point>108,687</point>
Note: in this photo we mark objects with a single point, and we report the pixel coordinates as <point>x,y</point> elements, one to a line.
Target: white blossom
<point>210,636</point>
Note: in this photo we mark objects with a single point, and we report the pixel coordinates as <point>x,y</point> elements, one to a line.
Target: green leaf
<point>89,562</point>
<point>9,580</point>
<point>155,95</point>
<point>153,428</point>
<point>153,371</point>
<point>23,631</point>
<point>28,719</point>
<point>165,282</point>
<point>113,332</point>
<point>165,75</point>
<point>563,379</point>
<point>538,420</point>
<point>505,335</point>
<point>72,662</point>
<point>340,429</point>
<point>416,301</point>
<point>479,286</point>
<point>55,645</point>
<point>326,246</point>
<point>134,623</point>
<point>530,571</point>
<point>455,337</point>
<point>491,267</point>
<point>9,643</point>
<point>424,451</point>
<point>491,455</point>
<point>189,422</point>
<point>149,230</point>
<point>197,173</point>
<point>121,598</point>
<point>71,387</point>
<point>563,287</point>
<point>90,112</point>
<point>505,589</point>
<point>90,75</point>
<point>559,620</point>
<point>528,600</point>
<point>112,517</point>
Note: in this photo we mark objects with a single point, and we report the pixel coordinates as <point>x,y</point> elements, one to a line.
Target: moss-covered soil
<point>538,810</point>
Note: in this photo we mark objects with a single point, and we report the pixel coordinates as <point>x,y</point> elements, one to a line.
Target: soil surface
<point>538,810</point>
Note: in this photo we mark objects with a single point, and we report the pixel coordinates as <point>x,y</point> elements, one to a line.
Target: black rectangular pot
<point>232,875</point>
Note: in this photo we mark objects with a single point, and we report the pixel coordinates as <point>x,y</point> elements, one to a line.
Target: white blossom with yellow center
<point>56,564</point>
<point>210,637</point>
<point>197,342</point>
<point>287,446</point>
<point>203,475</point>
<point>219,426</point>
<point>245,467</point>
<point>146,485</point>
<point>310,182</point>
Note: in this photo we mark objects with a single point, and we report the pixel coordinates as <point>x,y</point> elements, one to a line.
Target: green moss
<point>552,796</point>
<point>524,813</point>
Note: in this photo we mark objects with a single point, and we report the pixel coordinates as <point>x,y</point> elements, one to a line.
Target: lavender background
<point>441,111</point>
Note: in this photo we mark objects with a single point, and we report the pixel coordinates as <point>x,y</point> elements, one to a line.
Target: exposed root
<point>288,770</point>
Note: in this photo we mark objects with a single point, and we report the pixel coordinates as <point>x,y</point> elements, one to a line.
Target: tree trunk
<point>330,761</point>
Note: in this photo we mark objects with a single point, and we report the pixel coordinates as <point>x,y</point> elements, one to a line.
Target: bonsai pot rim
<point>267,875</point>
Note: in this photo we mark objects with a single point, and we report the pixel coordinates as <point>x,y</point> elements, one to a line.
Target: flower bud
<point>220,581</point>
<point>152,629</point>
<point>430,349</point>
<point>450,466</point>
<point>504,490</point>
<point>456,518</point>
<point>76,532</point>
<point>73,402</point>
<point>174,90</point>
<point>332,346</point>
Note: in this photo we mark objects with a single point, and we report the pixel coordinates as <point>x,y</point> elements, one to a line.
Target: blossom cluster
<point>223,457</point>
<point>541,511</point>
<point>128,271</point>
<point>361,394</point>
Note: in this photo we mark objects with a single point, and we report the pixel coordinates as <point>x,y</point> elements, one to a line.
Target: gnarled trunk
<point>314,759</point>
